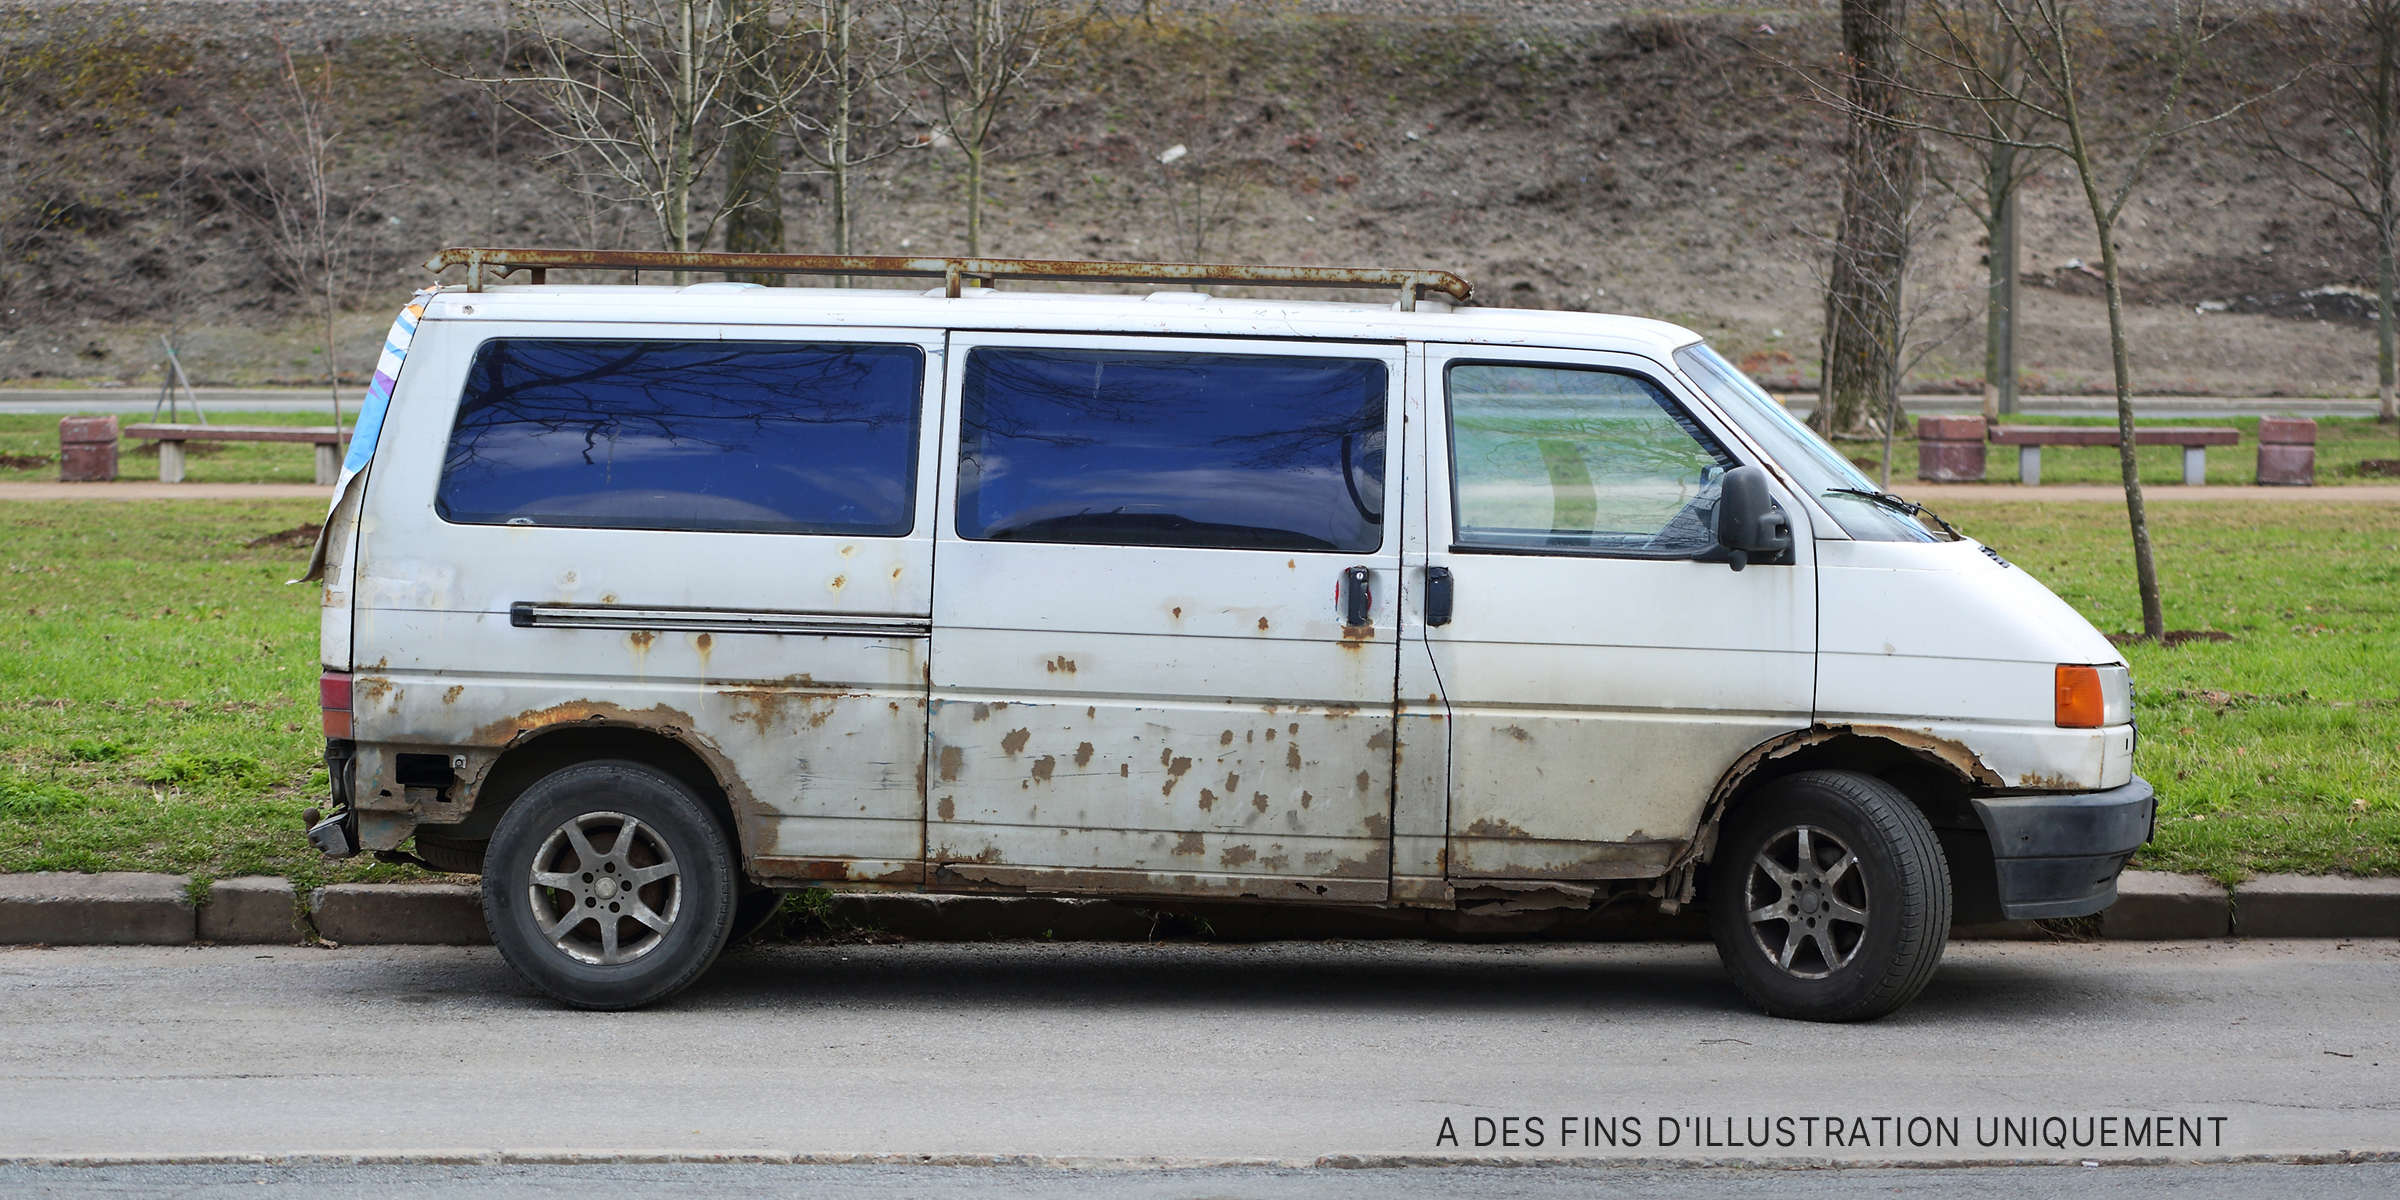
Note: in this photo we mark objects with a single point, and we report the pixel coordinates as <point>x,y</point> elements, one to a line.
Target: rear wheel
<point>609,885</point>
<point>1829,898</point>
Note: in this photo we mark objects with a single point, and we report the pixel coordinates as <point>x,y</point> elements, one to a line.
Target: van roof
<point>1425,310</point>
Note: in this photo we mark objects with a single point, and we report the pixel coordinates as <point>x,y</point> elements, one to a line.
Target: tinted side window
<point>1562,458</point>
<point>773,437</point>
<point>1234,451</point>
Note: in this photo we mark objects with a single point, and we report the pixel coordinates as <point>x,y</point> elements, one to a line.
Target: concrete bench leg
<point>170,462</point>
<point>329,464</point>
<point>2195,466</point>
<point>2029,465</point>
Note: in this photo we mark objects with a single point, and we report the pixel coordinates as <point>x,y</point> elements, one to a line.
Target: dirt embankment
<point>1655,158</point>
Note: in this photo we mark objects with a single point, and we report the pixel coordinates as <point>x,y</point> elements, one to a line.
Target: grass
<point>2280,749</point>
<point>2342,443</point>
<point>29,450</point>
<point>157,711</point>
<point>158,691</point>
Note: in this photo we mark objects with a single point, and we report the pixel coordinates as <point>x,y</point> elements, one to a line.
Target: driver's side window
<point>1578,459</point>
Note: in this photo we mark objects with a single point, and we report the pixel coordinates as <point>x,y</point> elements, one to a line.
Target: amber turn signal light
<point>2081,704</point>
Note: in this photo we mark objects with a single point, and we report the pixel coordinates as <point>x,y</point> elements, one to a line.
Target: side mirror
<point>1749,522</point>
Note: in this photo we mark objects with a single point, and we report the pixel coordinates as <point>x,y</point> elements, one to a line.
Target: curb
<point>124,908</point>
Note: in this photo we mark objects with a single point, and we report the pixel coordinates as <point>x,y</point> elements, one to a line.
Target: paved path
<point>1189,1054</point>
<point>1936,493</point>
<point>151,489</point>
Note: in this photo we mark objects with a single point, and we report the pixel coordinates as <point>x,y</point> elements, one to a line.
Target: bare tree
<point>308,223</point>
<point>849,122</point>
<point>1870,254</point>
<point>639,96</point>
<point>978,54</point>
<point>2047,78</point>
<point>2338,140</point>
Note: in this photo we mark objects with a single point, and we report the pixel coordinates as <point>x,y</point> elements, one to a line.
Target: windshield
<point>1804,456</point>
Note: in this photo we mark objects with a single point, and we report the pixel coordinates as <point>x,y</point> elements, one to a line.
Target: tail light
<point>333,697</point>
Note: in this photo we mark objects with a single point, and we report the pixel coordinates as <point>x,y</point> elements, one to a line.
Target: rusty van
<point>652,602</point>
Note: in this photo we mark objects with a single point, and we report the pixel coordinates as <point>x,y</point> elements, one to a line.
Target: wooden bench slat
<point>2101,435</point>
<point>320,434</point>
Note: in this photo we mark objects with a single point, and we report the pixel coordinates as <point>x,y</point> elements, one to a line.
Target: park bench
<point>2029,440</point>
<point>170,438</point>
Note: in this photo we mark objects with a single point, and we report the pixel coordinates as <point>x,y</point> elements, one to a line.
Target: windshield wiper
<point>1910,507</point>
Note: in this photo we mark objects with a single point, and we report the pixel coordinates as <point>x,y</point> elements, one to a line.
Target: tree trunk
<point>2000,305</point>
<point>2390,409</point>
<point>753,164</point>
<point>2384,21</point>
<point>838,142</point>
<point>683,125</point>
<point>1870,255</point>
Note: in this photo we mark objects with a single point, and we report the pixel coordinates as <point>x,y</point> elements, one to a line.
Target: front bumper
<point>2059,855</point>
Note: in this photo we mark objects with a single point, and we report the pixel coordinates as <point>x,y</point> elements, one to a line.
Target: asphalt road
<point>1250,1057</point>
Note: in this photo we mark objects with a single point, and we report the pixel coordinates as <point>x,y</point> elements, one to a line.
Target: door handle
<point>1358,604</point>
<point>1439,590</point>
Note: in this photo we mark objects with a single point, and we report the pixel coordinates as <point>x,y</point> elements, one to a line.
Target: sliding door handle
<point>1439,589</point>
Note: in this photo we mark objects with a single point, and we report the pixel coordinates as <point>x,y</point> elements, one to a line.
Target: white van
<point>649,602</point>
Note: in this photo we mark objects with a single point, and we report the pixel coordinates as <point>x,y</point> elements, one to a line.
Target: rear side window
<point>1227,451</point>
<point>765,437</point>
<point>1566,459</point>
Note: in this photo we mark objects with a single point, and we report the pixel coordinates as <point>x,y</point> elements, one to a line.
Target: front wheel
<point>1829,898</point>
<point>609,885</point>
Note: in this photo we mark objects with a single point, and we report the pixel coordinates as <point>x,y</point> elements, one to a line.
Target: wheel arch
<point>1936,774</point>
<point>536,753</point>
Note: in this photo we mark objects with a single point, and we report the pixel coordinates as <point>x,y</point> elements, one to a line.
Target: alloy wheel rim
<point>1807,902</point>
<point>605,907</point>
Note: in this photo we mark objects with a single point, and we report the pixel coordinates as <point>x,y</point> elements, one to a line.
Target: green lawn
<point>2342,443</point>
<point>157,709</point>
<point>25,437</point>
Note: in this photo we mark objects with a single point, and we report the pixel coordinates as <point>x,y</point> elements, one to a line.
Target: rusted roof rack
<point>487,266</point>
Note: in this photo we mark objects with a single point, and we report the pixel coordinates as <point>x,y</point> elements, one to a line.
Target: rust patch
<point>1381,741</point>
<point>946,808</point>
<point>1258,800</point>
<point>1014,740</point>
<point>450,694</point>
<point>1295,729</point>
<point>1291,754</point>
<point>1306,799</point>
<point>1165,756</point>
<point>372,687</point>
<point>1365,782</point>
<point>1225,738</point>
<point>1235,856</point>
<point>1178,766</point>
<point>1262,624</point>
<point>1494,828</point>
<point>1354,635</point>
<point>1233,782</point>
<point>1208,800</point>
<point>1336,711</point>
<point>1083,754</point>
<point>1190,843</point>
<point>1270,735</point>
<point>1178,614</point>
<point>983,712</point>
<point>641,638</point>
<point>1125,770</point>
<point>705,642</point>
<point>1378,825</point>
<point>837,583</point>
<point>953,759</point>
<point>1275,862</point>
<point>1517,732</point>
<point>1061,663</point>
<point>2032,779</point>
<point>1042,767</point>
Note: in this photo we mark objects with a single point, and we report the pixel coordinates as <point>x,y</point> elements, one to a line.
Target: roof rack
<point>487,266</point>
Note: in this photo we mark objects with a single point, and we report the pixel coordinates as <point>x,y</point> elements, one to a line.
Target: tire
<point>557,912</point>
<point>1859,931</point>
<point>754,911</point>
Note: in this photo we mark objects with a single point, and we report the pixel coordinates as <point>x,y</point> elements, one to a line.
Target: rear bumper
<point>2059,855</point>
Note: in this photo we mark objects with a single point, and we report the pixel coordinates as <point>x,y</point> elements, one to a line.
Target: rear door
<point>1145,677</point>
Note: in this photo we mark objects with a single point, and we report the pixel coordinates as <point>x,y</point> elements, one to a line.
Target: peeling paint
<point>1190,843</point>
<point>1083,754</point>
<point>1014,740</point>
<point>953,759</point>
<point>1042,767</point>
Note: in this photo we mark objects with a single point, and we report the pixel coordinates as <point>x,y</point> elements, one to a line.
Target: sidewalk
<point>151,489</point>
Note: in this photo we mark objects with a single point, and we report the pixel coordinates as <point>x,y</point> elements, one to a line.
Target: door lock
<point>1439,589</point>
<point>1358,604</point>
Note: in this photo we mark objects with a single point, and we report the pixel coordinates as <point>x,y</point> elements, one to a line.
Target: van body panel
<point>1595,701</point>
<point>819,739</point>
<point>1180,720</point>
